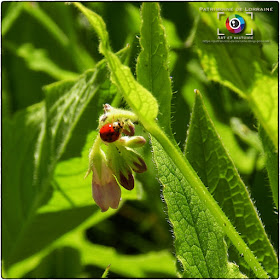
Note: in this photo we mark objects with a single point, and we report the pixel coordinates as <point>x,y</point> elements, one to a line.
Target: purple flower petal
<point>129,130</point>
<point>105,191</point>
<point>139,167</point>
<point>127,183</point>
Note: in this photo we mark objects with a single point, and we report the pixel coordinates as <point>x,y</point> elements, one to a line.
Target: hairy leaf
<point>244,160</point>
<point>271,164</point>
<point>214,166</point>
<point>199,240</point>
<point>26,183</point>
<point>152,64</point>
<point>65,104</point>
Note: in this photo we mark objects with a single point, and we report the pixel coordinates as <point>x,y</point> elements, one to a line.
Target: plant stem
<point>190,175</point>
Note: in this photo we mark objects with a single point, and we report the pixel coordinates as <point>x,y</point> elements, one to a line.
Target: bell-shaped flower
<point>105,189</point>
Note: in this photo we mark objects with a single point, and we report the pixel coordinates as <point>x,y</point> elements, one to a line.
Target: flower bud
<point>133,142</point>
<point>129,128</point>
<point>107,108</point>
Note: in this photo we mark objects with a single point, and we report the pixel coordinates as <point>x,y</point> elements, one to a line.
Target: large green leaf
<point>26,186</point>
<point>26,183</point>
<point>65,103</point>
<point>209,158</point>
<point>199,240</point>
<point>19,188</point>
<point>239,67</point>
<point>228,129</point>
<point>152,64</point>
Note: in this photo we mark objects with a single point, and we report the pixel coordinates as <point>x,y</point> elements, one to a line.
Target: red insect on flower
<point>111,132</point>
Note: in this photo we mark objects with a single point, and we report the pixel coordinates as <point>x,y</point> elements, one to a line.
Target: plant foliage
<point>212,151</point>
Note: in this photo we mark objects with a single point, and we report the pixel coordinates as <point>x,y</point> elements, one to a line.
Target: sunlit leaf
<point>137,97</point>
<point>152,64</point>
<point>199,240</point>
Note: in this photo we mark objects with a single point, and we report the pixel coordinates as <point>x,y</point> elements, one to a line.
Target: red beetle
<point>111,132</point>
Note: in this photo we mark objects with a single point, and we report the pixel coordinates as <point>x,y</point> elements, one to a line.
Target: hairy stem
<point>184,166</point>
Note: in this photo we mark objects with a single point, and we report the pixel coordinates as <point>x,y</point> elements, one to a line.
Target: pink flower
<point>105,190</point>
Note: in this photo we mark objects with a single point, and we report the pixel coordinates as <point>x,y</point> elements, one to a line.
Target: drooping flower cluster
<point>113,165</point>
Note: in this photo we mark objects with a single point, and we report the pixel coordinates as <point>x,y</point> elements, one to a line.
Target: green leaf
<point>209,158</point>
<point>244,160</point>
<point>37,60</point>
<point>271,164</point>
<point>24,187</point>
<point>138,98</point>
<point>18,185</point>
<point>13,12</point>
<point>257,85</point>
<point>65,103</point>
<point>152,64</point>
<point>199,240</point>
<point>27,186</point>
